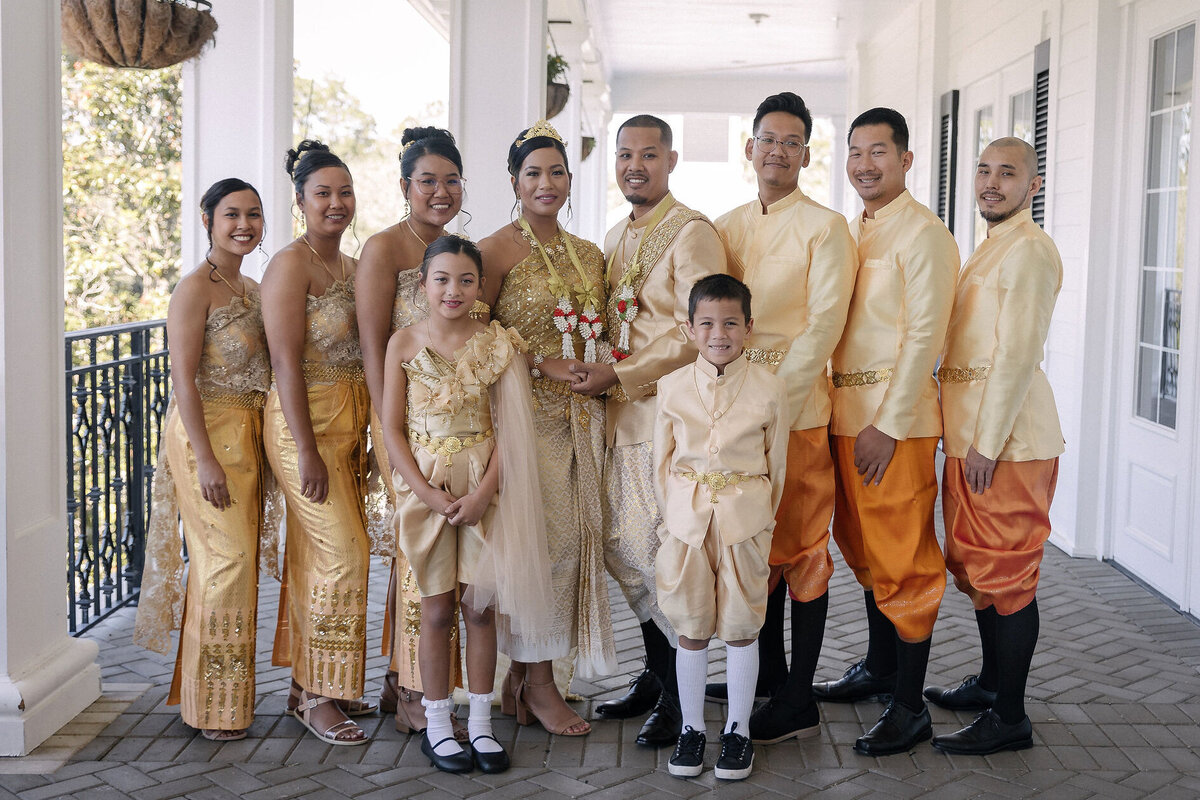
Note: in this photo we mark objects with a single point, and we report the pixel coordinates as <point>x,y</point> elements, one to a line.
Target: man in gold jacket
<point>653,259</point>
<point>798,259</point>
<point>1002,442</point>
<point>885,429</point>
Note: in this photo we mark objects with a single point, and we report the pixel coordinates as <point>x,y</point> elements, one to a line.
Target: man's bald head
<point>1028,154</point>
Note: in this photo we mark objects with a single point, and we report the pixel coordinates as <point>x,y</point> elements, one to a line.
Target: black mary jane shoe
<point>857,683</point>
<point>490,763</point>
<point>454,762</point>
<point>665,723</point>
<point>778,720</point>
<point>644,691</point>
<point>898,730</point>
<point>967,696</point>
<point>987,734</point>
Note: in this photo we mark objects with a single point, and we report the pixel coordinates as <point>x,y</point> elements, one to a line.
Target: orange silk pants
<point>800,547</point>
<point>886,533</point>
<point>994,540</point>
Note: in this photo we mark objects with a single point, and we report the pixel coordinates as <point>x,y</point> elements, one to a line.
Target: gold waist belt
<point>963,374</point>
<point>770,358</point>
<point>332,373</point>
<point>243,400</point>
<point>716,481</point>
<point>865,378</point>
<point>448,445</point>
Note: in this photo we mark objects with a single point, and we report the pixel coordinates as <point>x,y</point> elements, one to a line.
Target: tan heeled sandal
<point>405,703</point>
<point>559,721</point>
<point>332,734</point>
<point>351,708</point>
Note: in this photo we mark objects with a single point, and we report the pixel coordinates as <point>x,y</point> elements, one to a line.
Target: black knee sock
<point>772,658</point>
<point>808,629</point>
<point>1016,638</point>
<point>881,639</point>
<point>911,660</point>
<point>986,620</point>
<point>660,656</point>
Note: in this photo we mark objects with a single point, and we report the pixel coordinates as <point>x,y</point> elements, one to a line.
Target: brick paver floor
<point>1114,697</point>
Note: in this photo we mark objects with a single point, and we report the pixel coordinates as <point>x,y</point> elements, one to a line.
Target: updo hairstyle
<point>308,157</point>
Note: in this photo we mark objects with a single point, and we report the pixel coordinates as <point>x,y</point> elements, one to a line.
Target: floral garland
<point>627,302</point>
<point>587,323</point>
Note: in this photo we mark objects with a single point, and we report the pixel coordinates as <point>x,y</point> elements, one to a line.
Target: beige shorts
<point>717,590</point>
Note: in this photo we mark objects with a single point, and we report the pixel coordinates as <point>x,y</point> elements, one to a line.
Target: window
<point>1020,112</point>
<point>1164,225</point>
<point>985,132</point>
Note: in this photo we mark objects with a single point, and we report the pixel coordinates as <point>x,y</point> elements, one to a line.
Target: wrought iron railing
<point>117,392</point>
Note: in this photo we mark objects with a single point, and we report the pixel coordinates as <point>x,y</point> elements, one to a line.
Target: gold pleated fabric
<point>570,455</point>
<point>214,676</point>
<point>327,555</point>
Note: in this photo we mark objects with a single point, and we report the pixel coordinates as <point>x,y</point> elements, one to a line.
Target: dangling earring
<point>569,213</point>
<point>407,208</point>
<point>512,215</point>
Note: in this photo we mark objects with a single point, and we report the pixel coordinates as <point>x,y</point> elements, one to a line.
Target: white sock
<point>741,673</point>
<point>437,717</point>
<point>480,723</point>
<point>691,671</point>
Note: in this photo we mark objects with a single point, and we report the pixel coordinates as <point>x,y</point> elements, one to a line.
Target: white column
<point>237,119</point>
<point>46,677</point>
<point>497,89</point>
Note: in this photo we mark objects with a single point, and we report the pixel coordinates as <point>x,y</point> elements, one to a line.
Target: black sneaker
<point>737,756</point>
<point>688,759</point>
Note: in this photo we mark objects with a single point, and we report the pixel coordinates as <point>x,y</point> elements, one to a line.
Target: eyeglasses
<point>766,144</point>
<point>429,185</point>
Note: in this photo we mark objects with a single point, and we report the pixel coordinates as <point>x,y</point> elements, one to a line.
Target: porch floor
<point>1114,698</point>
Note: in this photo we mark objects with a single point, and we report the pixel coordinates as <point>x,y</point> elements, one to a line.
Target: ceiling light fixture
<point>757,17</point>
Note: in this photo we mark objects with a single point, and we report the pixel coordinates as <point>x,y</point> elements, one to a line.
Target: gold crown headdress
<point>540,128</point>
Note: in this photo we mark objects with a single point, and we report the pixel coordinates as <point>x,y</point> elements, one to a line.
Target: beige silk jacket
<point>995,395</point>
<point>903,293</point>
<point>799,261</point>
<point>733,426</point>
<point>683,248</point>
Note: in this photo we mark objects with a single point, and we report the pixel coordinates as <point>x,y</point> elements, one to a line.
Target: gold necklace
<point>713,416</point>
<point>236,293</point>
<point>408,223</point>
<point>341,259</point>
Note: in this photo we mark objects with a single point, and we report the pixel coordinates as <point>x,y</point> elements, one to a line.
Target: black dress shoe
<point>969,696</point>
<point>899,728</point>
<point>454,762</point>
<point>857,683</point>
<point>493,762</point>
<point>985,735</point>
<point>664,724</point>
<point>778,720</point>
<point>643,693</point>
<point>719,692</point>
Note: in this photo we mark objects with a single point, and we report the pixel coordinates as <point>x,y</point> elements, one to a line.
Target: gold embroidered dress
<point>570,454</point>
<point>214,676</point>
<point>327,556</point>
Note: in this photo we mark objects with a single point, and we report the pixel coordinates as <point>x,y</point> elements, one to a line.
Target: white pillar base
<point>49,696</point>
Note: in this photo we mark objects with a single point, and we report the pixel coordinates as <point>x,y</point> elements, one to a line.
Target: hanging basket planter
<point>556,98</point>
<point>589,144</point>
<point>142,34</point>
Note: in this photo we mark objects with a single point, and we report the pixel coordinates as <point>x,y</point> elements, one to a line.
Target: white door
<point>1153,515</point>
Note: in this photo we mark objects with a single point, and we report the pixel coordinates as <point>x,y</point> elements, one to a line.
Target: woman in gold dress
<point>210,472</point>
<point>315,437</point>
<point>549,286</point>
<point>387,297</point>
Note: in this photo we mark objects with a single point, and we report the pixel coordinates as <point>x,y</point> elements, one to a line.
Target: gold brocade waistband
<point>448,445</point>
<point>252,400</point>
<point>865,378</point>
<point>963,374</point>
<point>332,373</point>
<point>770,358</point>
<point>716,481</point>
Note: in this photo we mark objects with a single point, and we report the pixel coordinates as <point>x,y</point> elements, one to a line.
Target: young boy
<point>720,451</point>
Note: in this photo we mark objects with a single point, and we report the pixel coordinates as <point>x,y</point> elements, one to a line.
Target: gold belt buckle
<point>450,446</point>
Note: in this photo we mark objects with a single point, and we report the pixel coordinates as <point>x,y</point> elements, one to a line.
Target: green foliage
<point>122,151</point>
<point>556,66</point>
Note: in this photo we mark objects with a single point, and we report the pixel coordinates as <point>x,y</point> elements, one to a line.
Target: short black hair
<point>719,286</point>
<point>884,116</point>
<point>788,102</point>
<point>649,121</point>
